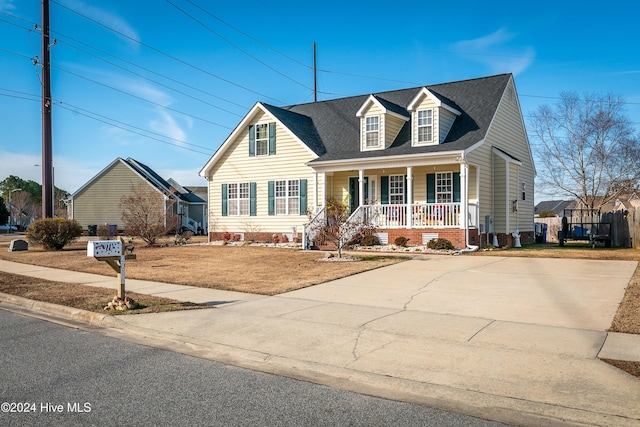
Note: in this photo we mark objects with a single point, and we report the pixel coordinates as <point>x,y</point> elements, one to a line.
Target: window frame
<point>397,189</point>
<point>368,130</point>
<point>261,143</point>
<point>423,125</point>
<point>444,187</point>
<point>285,194</point>
<point>235,205</point>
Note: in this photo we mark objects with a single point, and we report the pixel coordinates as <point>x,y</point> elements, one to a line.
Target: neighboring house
<point>98,201</point>
<point>623,202</point>
<point>426,162</point>
<point>555,206</point>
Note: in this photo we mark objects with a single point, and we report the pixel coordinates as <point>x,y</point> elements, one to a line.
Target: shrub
<point>226,236</point>
<point>54,233</point>
<point>440,244</point>
<point>370,240</point>
<point>104,232</point>
<point>401,241</point>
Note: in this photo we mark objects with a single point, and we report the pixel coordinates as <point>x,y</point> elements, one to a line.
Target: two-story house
<point>448,160</point>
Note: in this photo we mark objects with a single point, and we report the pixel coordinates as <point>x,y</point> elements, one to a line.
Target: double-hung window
<point>372,131</point>
<point>396,189</point>
<point>444,187</point>
<point>238,199</point>
<point>287,197</point>
<point>425,126</point>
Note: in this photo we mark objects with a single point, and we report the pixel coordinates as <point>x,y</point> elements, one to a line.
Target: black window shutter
<point>456,186</point>
<point>272,197</point>
<point>431,188</point>
<point>272,138</point>
<point>252,199</point>
<point>225,202</point>
<point>252,140</point>
<point>303,197</point>
<point>384,190</point>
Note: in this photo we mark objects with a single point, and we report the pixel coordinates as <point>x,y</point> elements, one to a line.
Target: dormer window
<point>372,131</point>
<point>425,126</point>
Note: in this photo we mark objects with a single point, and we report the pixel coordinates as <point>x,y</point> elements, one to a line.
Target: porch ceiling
<point>387,162</point>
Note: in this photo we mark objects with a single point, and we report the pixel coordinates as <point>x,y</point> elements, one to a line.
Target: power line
<point>58,34</point>
<point>166,54</point>
<point>154,81</point>
<point>193,18</point>
<point>132,131</point>
<point>140,98</point>
<point>107,120</point>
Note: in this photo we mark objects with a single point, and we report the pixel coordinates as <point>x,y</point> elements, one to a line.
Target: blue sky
<point>166,81</point>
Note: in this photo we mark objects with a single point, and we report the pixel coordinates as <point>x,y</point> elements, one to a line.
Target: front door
<point>354,192</point>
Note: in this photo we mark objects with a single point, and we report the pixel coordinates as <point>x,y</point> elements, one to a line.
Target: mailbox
<point>104,248</point>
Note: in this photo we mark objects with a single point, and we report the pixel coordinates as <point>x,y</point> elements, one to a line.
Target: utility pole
<point>315,73</point>
<point>47,150</point>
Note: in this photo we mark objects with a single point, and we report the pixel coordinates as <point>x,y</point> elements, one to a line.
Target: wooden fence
<point>625,228</point>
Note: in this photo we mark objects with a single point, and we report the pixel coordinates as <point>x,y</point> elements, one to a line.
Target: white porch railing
<point>313,228</point>
<point>189,224</point>
<point>423,215</point>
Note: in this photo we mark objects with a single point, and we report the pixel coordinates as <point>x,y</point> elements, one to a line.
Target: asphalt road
<point>55,375</point>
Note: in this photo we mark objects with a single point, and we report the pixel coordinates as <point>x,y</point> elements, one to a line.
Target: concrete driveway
<point>570,293</point>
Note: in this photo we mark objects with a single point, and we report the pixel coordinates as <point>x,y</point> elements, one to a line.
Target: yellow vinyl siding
<point>392,126</point>
<point>481,157</point>
<point>513,195</point>
<point>446,119</point>
<point>99,202</point>
<point>500,196</point>
<point>508,134</point>
<point>235,165</point>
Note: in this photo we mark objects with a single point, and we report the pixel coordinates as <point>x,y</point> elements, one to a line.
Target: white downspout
<point>464,199</point>
<point>409,197</point>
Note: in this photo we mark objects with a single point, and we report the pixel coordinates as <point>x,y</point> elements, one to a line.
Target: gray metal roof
<point>332,130</point>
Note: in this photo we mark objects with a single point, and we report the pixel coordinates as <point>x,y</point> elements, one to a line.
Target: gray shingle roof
<point>332,130</point>
<point>157,181</point>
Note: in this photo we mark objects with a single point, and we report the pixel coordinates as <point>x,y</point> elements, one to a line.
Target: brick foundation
<point>261,237</point>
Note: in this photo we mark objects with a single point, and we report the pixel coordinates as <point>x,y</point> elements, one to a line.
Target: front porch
<point>436,197</point>
<point>418,215</point>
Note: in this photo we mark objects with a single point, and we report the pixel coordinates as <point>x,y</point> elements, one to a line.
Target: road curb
<point>64,312</point>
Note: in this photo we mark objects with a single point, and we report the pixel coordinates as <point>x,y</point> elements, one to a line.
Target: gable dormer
<point>380,123</point>
<point>431,118</point>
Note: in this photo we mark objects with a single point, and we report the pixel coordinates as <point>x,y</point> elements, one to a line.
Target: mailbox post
<point>111,252</point>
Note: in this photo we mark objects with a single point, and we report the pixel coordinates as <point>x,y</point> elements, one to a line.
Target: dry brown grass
<point>251,269</point>
<point>84,297</point>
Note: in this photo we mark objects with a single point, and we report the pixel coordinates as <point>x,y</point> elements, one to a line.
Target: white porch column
<point>361,187</point>
<point>323,196</point>
<point>315,191</point>
<point>409,197</point>
<point>464,199</point>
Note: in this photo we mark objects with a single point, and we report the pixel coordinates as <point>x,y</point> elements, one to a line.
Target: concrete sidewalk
<point>511,339</point>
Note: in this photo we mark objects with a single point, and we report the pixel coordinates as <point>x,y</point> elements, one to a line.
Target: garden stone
<point>18,245</point>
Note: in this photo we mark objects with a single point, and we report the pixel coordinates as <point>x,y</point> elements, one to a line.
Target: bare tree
<point>145,214</point>
<point>20,207</point>
<point>341,227</point>
<point>588,148</point>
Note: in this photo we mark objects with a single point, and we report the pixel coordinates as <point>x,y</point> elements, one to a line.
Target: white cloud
<point>6,5</point>
<point>69,174</point>
<point>106,18</point>
<point>166,125</point>
<point>495,51</point>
